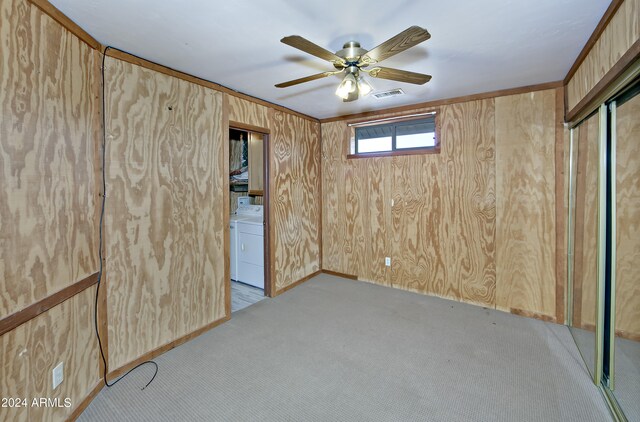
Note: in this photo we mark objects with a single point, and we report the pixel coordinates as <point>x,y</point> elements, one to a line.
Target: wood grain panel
<point>248,112</point>
<point>619,36</point>
<point>359,190</point>
<point>440,230</point>
<point>165,212</point>
<point>468,175</point>
<point>295,198</point>
<point>628,219</point>
<point>67,23</point>
<point>376,188</point>
<point>48,134</point>
<point>585,272</point>
<point>334,139</point>
<point>65,333</point>
<point>418,257</point>
<point>525,192</point>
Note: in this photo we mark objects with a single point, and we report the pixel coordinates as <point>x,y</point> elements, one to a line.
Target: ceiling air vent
<point>388,94</point>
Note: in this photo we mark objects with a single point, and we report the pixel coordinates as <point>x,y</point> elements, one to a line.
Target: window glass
<point>374,139</point>
<point>402,135</point>
<point>420,135</point>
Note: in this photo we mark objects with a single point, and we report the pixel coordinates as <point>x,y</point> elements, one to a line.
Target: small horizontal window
<point>401,137</point>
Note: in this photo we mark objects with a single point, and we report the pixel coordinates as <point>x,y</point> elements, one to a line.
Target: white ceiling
<point>475,46</point>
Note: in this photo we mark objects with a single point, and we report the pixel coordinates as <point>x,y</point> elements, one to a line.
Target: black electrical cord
<point>100,272</point>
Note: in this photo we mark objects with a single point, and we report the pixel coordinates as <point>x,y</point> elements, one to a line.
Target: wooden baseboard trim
<point>112,375</point>
<point>534,315</point>
<point>628,335</point>
<point>86,401</point>
<point>14,320</point>
<point>297,283</point>
<point>343,275</point>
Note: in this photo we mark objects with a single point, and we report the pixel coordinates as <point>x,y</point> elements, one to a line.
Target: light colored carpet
<point>627,378</point>
<point>243,295</point>
<point>586,343</point>
<point>339,350</point>
<point>627,366</point>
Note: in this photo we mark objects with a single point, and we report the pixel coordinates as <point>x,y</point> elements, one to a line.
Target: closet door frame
<point>601,220</point>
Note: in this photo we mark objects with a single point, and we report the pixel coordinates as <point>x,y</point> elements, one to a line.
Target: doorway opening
<point>249,216</point>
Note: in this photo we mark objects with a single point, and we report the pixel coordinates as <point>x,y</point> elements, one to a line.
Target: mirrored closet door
<point>604,248</point>
<point>584,222</point>
<point>624,333</point>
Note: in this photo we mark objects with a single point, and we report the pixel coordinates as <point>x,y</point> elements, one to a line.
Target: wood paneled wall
<point>525,196</point>
<point>165,214</point>
<point>29,353</point>
<point>295,198</point>
<point>294,166</point>
<point>249,113</point>
<point>452,210</point>
<point>617,38</point>
<point>49,131</point>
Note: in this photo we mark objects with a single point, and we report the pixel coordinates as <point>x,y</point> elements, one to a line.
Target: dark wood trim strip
<point>628,335</point>
<point>250,128</point>
<point>297,283</point>
<point>320,194</point>
<point>266,203</point>
<point>561,241</point>
<point>112,375</point>
<point>139,61</point>
<point>86,401</point>
<point>614,73</point>
<point>604,21</point>
<point>226,206</point>
<point>337,274</point>
<point>55,14</point>
<point>436,103</point>
<point>534,315</point>
<point>12,321</point>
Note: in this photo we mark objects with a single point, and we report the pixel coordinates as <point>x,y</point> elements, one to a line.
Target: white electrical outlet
<point>387,261</point>
<point>57,375</point>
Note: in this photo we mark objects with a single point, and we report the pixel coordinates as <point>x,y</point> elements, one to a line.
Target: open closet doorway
<point>249,215</point>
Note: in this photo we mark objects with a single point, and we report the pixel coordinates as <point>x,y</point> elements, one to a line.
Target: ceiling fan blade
<point>399,75</point>
<point>404,40</point>
<point>305,79</point>
<point>307,46</point>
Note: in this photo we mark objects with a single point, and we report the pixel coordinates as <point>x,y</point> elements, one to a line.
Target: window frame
<point>399,121</point>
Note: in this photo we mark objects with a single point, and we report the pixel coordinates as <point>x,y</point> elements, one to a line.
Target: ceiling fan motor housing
<point>351,52</point>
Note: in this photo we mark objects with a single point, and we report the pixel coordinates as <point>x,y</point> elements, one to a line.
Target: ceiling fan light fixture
<point>353,59</point>
<point>347,86</point>
<point>364,87</point>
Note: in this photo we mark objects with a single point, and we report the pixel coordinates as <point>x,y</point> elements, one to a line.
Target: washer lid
<point>250,210</point>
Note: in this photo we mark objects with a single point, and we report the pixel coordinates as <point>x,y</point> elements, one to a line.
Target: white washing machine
<point>246,231</point>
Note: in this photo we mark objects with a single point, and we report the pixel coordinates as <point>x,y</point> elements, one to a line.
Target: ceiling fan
<point>353,59</point>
